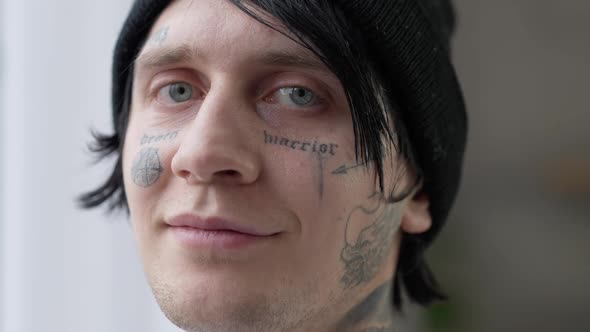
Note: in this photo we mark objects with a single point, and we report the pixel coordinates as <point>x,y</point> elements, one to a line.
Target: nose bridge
<point>216,144</point>
<point>220,116</point>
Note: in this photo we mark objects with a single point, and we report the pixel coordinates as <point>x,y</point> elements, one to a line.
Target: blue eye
<point>296,95</point>
<point>178,92</point>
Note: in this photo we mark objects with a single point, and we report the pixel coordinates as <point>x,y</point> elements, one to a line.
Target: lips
<point>216,234</point>
<point>215,224</point>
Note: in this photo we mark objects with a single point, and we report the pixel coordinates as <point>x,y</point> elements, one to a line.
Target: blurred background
<point>514,256</point>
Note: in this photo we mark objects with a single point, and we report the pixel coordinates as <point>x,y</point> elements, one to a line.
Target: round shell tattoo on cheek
<point>146,168</point>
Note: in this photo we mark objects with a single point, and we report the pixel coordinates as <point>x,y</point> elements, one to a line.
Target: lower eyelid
<point>278,108</point>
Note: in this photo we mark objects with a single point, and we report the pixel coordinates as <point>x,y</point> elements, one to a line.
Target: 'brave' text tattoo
<point>366,245</point>
<point>147,139</point>
<point>146,168</point>
<point>315,147</point>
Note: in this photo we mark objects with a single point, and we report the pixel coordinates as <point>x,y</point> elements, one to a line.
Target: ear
<point>416,217</point>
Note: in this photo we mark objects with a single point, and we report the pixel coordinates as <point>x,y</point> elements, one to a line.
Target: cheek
<point>146,170</point>
<point>291,177</point>
<point>138,196</point>
<point>316,193</point>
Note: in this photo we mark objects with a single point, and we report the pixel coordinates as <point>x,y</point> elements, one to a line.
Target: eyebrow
<point>160,58</point>
<point>290,59</point>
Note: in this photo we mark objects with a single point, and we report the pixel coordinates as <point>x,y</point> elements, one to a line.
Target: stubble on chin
<point>194,313</point>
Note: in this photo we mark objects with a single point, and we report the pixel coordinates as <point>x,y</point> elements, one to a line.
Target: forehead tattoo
<point>160,36</point>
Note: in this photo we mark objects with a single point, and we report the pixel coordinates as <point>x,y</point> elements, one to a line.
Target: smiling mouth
<point>217,233</point>
<point>221,239</point>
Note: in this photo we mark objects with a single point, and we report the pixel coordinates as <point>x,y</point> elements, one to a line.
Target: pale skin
<point>200,148</point>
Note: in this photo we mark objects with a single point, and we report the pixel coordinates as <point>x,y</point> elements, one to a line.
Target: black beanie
<point>410,40</point>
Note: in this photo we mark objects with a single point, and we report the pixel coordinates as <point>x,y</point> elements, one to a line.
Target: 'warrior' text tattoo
<point>147,139</point>
<point>146,168</point>
<point>366,245</point>
<point>315,147</point>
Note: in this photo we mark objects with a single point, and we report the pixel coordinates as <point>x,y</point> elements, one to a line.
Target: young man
<point>285,163</point>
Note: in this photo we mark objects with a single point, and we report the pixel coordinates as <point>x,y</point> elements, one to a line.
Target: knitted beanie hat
<point>410,40</point>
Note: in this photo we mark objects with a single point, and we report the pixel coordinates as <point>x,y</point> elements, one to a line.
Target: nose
<point>217,146</point>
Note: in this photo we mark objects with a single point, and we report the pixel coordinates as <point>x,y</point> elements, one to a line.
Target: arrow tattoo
<point>344,169</point>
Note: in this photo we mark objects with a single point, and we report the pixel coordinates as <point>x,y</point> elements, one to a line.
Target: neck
<point>373,314</point>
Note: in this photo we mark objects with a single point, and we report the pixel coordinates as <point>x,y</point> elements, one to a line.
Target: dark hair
<point>323,28</point>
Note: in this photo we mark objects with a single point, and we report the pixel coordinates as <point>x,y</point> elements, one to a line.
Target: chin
<point>201,305</point>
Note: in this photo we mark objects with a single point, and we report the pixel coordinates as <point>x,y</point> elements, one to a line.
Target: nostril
<point>229,173</point>
<point>184,174</point>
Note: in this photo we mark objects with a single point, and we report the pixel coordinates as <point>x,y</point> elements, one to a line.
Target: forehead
<point>219,31</point>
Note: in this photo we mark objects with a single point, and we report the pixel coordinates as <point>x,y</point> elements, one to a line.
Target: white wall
<point>1,165</point>
<point>63,269</point>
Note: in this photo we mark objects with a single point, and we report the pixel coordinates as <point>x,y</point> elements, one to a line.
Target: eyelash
<point>272,99</point>
<point>288,93</point>
<point>166,91</point>
<point>160,93</point>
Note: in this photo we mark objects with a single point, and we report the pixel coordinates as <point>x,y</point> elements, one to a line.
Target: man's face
<point>249,210</point>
